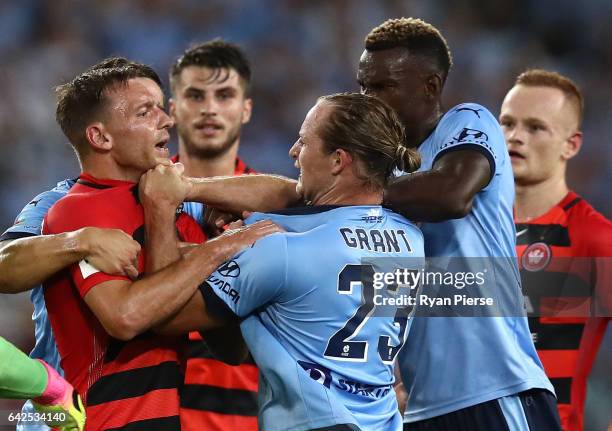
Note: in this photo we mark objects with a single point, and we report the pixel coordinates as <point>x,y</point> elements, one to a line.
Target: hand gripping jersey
<point>323,335</point>
<point>451,363</point>
<point>564,257</point>
<point>29,223</point>
<point>124,384</point>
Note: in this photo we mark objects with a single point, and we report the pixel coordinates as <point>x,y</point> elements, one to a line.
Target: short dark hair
<point>214,54</point>
<point>369,130</point>
<point>418,36</point>
<point>80,100</point>
<point>547,78</point>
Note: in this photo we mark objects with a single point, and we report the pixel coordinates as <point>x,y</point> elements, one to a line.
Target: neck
<point>416,135</point>
<point>535,200</point>
<point>106,168</point>
<point>349,196</point>
<point>196,166</point>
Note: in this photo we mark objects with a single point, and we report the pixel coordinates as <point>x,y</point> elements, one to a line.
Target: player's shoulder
<point>45,200</point>
<point>468,113</point>
<point>29,219</point>
<point>106,207</point>
<point>589,227</point>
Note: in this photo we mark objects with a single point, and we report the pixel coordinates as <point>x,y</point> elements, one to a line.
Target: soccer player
<point>27,259</point>
<point>316,325</point>
<point>55,399</point>
<point>461,373</point>
<point>128,376</point>
<point>562,242</point>
<point>210,103</point>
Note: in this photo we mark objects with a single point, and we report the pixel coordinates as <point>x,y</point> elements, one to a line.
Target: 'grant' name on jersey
<point>385,241</point>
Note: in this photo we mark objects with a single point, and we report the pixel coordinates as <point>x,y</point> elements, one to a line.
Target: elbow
<point>125,326</point>
<point>458,208</point>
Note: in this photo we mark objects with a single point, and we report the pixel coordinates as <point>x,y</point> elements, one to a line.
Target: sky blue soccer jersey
<point>323,335</point>
<point>450,363</point>
<point>29,223</point>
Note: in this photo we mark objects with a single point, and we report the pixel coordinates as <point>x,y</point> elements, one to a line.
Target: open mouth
<point>161,147</point>
<point>516,155</point>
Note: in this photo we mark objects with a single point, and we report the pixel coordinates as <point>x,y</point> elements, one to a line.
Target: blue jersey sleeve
<point>471,126</point>
<point>30,219</point>
<point>250,280</point>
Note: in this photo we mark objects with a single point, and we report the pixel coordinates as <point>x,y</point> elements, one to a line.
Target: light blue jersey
<point>29,223</point>
<point>451,363</point>
<point>320,330</point>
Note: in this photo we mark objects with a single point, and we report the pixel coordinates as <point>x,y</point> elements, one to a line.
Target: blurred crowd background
<point>299,50</point>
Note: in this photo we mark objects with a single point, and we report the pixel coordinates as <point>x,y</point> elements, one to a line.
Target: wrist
<point>79,242</point>
<point>218,249</point>
<point>196,188</point>
<point>160,215</point>
<point>56,387</point>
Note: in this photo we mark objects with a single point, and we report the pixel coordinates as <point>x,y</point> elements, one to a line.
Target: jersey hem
<point>474,400</point>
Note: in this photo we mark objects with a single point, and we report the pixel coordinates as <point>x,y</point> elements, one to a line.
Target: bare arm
<point>161,190</point>
<point>26,262</point>
<point>245,193</point>
<point>127,309</point>
<point>445,192</point>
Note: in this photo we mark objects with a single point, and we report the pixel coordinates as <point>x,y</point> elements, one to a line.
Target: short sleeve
<point>30,219</point>
<point>252,279</point>
<point>75,212</point>
<point>470,126</point>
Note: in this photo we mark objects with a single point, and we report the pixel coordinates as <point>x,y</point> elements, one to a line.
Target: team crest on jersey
<point>536,257</point>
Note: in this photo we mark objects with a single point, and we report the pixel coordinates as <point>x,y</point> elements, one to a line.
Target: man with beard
<point>210,102</point>
<point>461,373</point>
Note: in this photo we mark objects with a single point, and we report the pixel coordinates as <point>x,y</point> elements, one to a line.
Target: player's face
<point>310,157</point>
<point>209,108</point>
<point>138,125</point>
<point>395,76</point>
<point>537,124</point>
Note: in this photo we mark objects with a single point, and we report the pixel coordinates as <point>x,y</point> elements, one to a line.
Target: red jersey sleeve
<point>75,212</point>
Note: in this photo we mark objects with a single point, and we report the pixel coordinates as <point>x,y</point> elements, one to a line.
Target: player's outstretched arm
<point>236,194</point>
<point>26,262</point>
<point>445,192</point>
<point>127,309</point>
<point>23,377</point>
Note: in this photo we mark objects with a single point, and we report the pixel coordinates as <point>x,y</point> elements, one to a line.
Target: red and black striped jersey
<point>564,257</point>
<point>125,385</point>
<point>217,396</point>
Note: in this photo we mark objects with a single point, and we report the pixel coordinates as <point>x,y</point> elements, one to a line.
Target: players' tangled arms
<point>270,321</point>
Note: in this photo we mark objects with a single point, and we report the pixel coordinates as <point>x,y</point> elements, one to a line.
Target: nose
<point>208,107</point>
<point>166,122</point>
<point>294,151</point>
<point>514,135</point>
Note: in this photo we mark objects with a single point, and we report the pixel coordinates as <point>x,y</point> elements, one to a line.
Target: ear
<point>572,146</point>
<point>433,86</point>
<point>172,108</point>
<point>97,137</point>
<point>340,160</point>
<point>247,109</point>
